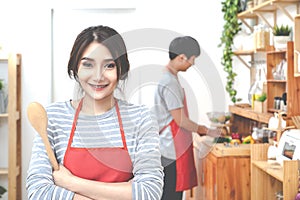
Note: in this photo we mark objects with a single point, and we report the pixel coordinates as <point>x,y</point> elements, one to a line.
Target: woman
<point>106,147</point>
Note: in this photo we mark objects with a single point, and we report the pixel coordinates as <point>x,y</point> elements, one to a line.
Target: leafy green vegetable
<point>262,97</point>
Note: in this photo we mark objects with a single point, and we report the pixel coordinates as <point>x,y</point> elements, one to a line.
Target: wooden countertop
<point>205,145</point>
<point>220,150</point>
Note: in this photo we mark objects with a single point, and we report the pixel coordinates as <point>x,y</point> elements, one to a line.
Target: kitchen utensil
<point>38,118</point>
<point>219,117</point>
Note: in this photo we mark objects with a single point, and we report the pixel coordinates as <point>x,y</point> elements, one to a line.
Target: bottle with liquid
<point>257,88</point>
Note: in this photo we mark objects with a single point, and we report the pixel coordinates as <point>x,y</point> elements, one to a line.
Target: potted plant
<point>260,103</point>
<point>2,97</point>
<point>281,36</point>
<point>2,191</point>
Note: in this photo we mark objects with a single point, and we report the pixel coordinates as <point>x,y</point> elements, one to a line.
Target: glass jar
<point>261,37</point>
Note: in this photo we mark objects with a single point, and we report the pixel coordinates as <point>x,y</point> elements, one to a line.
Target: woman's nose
<point>99,73</point>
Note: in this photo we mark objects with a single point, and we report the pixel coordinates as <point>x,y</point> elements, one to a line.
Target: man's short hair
<point>184,45</point>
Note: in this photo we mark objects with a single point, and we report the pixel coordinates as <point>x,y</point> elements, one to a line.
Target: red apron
<point>100,164</point>
<point>186,175</point>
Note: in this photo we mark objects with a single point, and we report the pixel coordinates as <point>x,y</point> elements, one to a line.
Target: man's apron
<point>186,175</point>
<point>100,164</point>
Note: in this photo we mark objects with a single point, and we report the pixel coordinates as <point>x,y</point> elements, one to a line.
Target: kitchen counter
<point>220,150</point>
<point>205,145</point>
<point>223,171</point>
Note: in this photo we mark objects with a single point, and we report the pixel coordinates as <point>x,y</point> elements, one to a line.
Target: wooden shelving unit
<point>278,87</point>
<point>297,46</point>
<point>258,12</point>
<point>271,6</point>
<point>243,115</point>
<point>13,170</point>
<point>269,178</point>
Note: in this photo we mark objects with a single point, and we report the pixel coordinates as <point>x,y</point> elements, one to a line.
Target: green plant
<point>2,191</point>
<point>261,97</point>
<point>282,30</point>
<point>1,85</point>
<point>232,26</point>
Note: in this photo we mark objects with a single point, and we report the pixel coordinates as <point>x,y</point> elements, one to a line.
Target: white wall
<point>25,27</point>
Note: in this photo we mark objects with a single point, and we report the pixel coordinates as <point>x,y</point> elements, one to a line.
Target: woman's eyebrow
<point>91,59</point>
<point>87,58</point>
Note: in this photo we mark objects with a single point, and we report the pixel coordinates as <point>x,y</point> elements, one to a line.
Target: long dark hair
<point>109,38</point>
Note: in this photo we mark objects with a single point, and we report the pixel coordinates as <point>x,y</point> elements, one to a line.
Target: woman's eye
<point>110,66</point>
<point>87,64</point>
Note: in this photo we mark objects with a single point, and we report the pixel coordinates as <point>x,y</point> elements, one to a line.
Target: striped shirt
<point>142,139</point>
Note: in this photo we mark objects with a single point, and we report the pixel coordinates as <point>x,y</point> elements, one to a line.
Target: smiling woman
<point>97,75</point>
<point>121,160</point>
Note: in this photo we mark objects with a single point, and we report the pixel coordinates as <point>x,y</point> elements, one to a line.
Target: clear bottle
<point>256,88</point>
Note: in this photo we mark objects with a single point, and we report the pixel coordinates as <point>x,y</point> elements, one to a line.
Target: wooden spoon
<point>37,116</point>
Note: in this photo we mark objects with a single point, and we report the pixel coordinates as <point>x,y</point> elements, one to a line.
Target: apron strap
<point>75,121</point>
<point>121,126</point>
<point>73,128</point>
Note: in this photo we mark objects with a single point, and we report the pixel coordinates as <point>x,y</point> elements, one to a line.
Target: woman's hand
<point>63,177</point>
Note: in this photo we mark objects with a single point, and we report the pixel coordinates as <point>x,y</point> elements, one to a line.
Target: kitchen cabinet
<point>13,119</point>
<point>226,173</point>
<point>291,85</point>
<point>223,171</point>
<point>269,178</point>
<point>243,115</point>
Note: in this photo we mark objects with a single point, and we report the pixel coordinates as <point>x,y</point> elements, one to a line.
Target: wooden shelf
<point>3,171</point>
<point>270,6</point>
<point>16,114</point>
<point>3,58</point>
<point>13,115</point>
<point>243,53</point>
<point>297,46</point>
<point>3,115</point>
<point>248,113</point>
<point>276,81</point>
<point>273,169</point>
<point>269,178</point>
<point>267,6</point>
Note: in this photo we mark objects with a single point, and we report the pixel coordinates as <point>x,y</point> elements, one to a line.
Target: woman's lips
<point>99,87</point>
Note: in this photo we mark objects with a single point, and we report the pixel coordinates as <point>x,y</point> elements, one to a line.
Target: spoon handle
<point>50,154</point>
<point>37,116</point>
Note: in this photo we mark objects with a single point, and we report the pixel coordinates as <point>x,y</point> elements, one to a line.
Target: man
<point>175,126</point>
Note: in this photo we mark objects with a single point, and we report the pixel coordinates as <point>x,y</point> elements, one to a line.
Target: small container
<point>261,37</point>
<point>279,195</point>
<point>277,102</point>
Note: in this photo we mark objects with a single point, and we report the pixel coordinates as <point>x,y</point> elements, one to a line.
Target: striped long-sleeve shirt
<point>142,139</point>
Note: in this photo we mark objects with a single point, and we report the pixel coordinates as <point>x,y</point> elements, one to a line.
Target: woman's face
<point>97,72</point>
